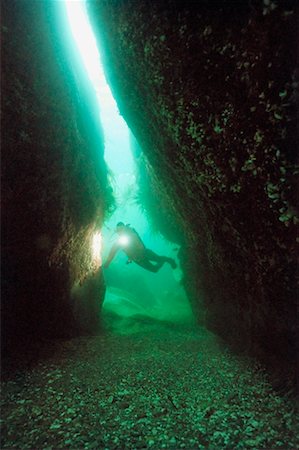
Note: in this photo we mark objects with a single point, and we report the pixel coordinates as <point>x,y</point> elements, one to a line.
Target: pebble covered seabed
<point>143,384</point>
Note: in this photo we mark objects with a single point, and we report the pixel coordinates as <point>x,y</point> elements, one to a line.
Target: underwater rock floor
<point>143,385</point>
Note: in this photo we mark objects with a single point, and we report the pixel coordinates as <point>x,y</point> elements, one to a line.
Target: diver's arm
<point>111,255</point>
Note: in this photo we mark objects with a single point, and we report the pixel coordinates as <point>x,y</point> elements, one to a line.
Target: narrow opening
<point>131,289</point>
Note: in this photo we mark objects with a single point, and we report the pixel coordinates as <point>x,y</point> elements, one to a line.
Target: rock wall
<point>54,181</point>
<point>209,90</point>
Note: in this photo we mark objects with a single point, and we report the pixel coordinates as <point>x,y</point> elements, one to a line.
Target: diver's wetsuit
<point>137,252</point>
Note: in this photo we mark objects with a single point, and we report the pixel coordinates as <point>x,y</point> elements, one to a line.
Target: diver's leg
<point>146,264</point>
<point>152,256</point>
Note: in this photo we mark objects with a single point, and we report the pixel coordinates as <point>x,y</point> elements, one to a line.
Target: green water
<point>130,289</point>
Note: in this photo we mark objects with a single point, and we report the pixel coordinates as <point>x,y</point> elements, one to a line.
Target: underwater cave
<point>149,224</point>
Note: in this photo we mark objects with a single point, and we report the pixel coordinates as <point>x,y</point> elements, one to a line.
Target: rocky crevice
<point>210,93</point>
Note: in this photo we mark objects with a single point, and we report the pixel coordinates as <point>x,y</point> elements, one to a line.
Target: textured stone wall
<point>54,181</point>
<point>209,89</point>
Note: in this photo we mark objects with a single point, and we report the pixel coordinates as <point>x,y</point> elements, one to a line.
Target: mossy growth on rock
<point>209,90</point>
<point>55,187</point>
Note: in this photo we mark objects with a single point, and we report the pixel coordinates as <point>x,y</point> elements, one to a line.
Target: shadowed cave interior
<point>180,119</point>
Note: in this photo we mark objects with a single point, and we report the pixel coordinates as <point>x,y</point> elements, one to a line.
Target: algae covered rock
<point>54,181</point>
<point>209,90</point>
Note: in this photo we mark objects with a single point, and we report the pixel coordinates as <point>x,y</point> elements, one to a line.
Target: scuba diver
<point>130,242</point>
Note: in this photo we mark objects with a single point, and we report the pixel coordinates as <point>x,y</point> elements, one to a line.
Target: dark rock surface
<point>54,181</point>
<point>209,90</point>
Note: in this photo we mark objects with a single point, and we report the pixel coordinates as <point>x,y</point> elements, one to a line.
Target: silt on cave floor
<point>143,384</point>
<point>209,90</point>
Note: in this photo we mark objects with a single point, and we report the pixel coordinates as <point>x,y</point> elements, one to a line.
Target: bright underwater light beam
<point>84,38</point>
<point>115,129</point>
<point>118,155</point>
